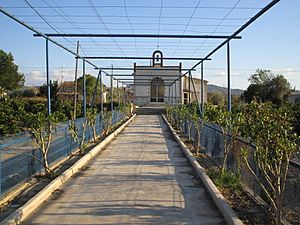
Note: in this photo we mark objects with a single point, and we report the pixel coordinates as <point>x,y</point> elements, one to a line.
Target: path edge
<point>229,215</point>
<point>30,206</point>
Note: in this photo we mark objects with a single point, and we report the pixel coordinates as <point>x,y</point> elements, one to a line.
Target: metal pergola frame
<point>141,75</point>
<point>140,58</point>
<point>227,40</point>
<point>131,68</point>
<point>201,62</point>
<point>141,36</point>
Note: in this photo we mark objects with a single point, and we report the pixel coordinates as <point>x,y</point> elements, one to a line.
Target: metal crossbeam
<point>138,68</point>
<point>142,36</point>
<point>144,84</point>
<point>141,57</point>
<point>138,79</point>
<point>142,75</point>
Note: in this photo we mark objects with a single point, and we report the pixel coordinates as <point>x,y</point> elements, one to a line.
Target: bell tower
<point>157,58</point>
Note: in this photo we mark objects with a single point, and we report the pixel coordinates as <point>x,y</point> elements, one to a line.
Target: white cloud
<point>221,73</point>
<point>35,78</point>
<point>64,74</point>
<point>38,77</point>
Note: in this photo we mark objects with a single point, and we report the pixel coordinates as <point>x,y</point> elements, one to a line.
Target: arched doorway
<point>157,90</point>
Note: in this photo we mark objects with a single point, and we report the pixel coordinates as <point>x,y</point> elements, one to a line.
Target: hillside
<point>216,88</point>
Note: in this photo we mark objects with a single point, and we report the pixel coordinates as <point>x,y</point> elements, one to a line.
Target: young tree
<point>41,127</point>
<point>91,121</point>
<point>270,128</point>
<point>230,125</point>
<point>10,78</point>
<point>182,113</point>
<point>73,130</point>
<point>82,141</point>
<point>198,121</point>
<point>107,118</point>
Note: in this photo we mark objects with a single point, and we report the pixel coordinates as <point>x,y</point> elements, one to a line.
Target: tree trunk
<point>46,165</point>
<point>224,165</point>
<point>94,134</point>
<point>279,208</point>
<point>278,213</point>
<point>83,139</point>
<point>198,141</point>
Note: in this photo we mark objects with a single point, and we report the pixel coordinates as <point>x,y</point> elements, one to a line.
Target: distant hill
<point>216,88</point>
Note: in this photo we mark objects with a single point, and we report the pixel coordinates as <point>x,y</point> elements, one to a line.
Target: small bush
<point>229,179</point>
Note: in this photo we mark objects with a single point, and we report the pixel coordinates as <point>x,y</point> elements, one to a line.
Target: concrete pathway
<point>141,178</point>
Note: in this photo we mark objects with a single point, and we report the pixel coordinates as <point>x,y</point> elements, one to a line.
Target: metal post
<point>169,92</point>
<point>194,88</point>
<point>101,93</point>
<point>75,82</point>
<point>118,94</point>
<point>111,90</point>
<point>228,79</point>
<point>172,94</point>
<point>175,93</point>
<point>84,88</point>
<point>202,89</point>
<point>189,87</point>
<point>180,84</point>
<point>122,94</point>
<point>48,79</point>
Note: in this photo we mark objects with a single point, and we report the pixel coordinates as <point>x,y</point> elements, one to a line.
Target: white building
<point>151,83</point>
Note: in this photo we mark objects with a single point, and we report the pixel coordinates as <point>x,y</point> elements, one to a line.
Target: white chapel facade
<point>151,83</point>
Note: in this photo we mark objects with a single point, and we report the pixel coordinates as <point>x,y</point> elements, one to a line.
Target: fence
<point>212,143</point>
<point>19,154</point>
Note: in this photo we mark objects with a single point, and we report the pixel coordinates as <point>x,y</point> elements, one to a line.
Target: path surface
<point>141,178</point>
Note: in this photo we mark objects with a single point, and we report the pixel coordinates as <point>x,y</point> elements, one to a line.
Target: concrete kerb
<point>227,212</point>
<point>26,210</point>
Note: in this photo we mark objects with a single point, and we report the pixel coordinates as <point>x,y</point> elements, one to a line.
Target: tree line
<point>265,86</point>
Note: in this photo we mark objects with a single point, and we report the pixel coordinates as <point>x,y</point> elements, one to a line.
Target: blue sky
<point>272,42</point>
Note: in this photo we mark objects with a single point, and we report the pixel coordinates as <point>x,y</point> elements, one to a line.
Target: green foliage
<point>230,123</point>
<point>216,98</point>
<point>265,86</point>
<point>12,115</point>
<point>67,108</point>
<point>125,109</point>
<point>270,128</point>
<point>228,180</point>
<point>90,85</point>
<point>10,79</point>
<point>261,77</point>
<point>27,93</point>
<point>182,113</point>
<point>43,92</point>
<point>73,130</point>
